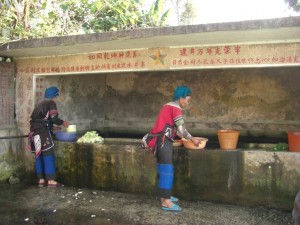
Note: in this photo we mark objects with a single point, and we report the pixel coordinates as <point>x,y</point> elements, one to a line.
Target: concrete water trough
<point>249,176</point>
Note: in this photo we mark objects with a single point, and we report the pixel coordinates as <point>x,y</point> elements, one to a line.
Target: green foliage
<point>177,4</point>
<point>90,137</point>
<point>25,19</point>
<point>188,15</point>
<point>156,16</point>
<point>294,4</point>
<point>281,147</point>
<point>115,15</point>
<point>185,11</point>
<point>30,19</point>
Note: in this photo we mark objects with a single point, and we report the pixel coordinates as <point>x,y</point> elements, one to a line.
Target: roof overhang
<point>279,30</point>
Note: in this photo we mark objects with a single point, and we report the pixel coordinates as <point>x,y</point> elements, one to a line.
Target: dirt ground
<point>28,205</point>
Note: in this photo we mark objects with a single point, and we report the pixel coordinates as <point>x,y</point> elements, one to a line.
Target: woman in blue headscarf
<point>43,117</point>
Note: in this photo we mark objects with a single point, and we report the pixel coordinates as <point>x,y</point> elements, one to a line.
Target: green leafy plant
<point>157,16</point>
<point>90,137</point>
<point>26,19</point>
<point>281,147</point>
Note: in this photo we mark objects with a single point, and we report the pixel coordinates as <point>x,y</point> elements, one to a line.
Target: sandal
<point>41,184</point>
<point>174,208</point>
<point>174,199</point>
<point>55,185</point>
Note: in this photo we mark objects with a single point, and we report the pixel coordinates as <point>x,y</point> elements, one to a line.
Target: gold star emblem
<point>158,58</point>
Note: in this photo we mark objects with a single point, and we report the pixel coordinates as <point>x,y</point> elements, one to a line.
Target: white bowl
<point>71,128</point>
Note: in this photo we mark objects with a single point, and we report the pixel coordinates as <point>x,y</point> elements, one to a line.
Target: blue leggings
<point>165,168</point>
<point>45,165</point>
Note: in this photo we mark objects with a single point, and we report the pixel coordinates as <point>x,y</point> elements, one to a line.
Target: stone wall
<point>257,101</point>
<point>12,155</point>
<point>249,177</point>
<point>260,102</point>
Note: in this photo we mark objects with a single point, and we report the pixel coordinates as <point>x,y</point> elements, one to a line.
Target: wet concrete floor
<point>28,205</point>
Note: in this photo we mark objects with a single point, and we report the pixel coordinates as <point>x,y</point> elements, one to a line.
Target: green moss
<point>211,175</point>
<point>9,164</point>
<point>262,195</point>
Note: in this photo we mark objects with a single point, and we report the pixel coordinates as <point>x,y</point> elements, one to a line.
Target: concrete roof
<point>279,30</point>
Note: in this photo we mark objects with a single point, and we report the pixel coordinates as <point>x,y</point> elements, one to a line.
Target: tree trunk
<point>26,12</point>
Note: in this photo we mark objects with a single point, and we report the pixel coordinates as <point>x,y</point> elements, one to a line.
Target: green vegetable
<point>90,137</point>
<point>281,147</point>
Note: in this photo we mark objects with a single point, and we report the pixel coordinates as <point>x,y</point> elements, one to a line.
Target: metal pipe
<point>12,137</point>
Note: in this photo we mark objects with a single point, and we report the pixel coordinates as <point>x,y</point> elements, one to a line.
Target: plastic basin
<point>190,145</point>
<point>65,136</point>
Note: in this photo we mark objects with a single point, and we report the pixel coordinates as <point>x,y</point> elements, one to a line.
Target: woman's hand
<point>66,124</point>
<point>196,141</point>
<point>56,128</point>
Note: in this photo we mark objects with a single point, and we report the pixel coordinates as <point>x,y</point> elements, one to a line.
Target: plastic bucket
<point>294,141</point>
<point>228,139</point>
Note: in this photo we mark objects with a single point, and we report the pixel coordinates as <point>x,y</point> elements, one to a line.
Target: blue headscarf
<point>181,92</point>
<point>51,92</point>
